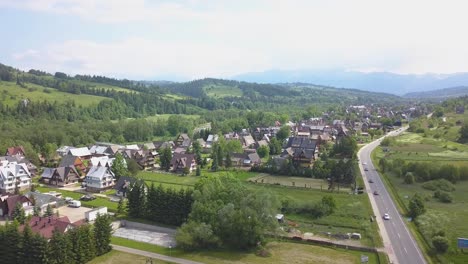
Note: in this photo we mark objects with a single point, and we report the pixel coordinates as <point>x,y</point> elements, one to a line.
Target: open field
<point>166,116</point>
<point>103,86</point>
<point>99,201</point>
<point>352,214</point>
<point>290,181</point>
<point>281,252</point>
<point>118,257</point>
<point>11,94</point>
<point>220,91</point>
<point>454,213</point>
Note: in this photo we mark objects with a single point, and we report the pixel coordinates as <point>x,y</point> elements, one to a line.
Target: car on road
<point>376,193</point>
<point>386,216</point>
<point>371,181</point>
<point>364,163</point>
<point>87,197</point>
<point>366,169</point>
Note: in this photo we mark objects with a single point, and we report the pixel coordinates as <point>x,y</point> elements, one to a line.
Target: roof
<point>100,150</point>
<point>45,226</point>
<point>13,169</point>
<point>303,143</point>
<point>183,160</point>
<point>12,200</point>
<point>248,140</point>
<point>47,173</point>
<point>68,160</point>
<point>149,146</point>
<point>132,147</point>
<point>13,151</point>
<point>123,183</point>
<point>79,152</point>
<point>99,172</point>
<point>102,161</point>
<point>42,199</point>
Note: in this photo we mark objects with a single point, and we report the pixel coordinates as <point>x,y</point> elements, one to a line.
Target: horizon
<point>188,40</point>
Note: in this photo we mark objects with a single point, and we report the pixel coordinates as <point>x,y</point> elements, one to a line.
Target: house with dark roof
<point>123,185</point>
<point>181,161</point>
<point>245,159</point>
<point>70,160</point>
<point>8,203</point>
<point>301,151</point>
<point>61,176</point>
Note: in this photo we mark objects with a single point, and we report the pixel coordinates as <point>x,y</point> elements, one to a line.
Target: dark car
<point>366,169</point>
<point>371,181</point>
<point>87,197</point>
<point>376,193</point>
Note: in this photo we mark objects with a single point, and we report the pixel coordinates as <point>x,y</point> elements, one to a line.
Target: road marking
<point>399,235</point>
<point>405,250</point>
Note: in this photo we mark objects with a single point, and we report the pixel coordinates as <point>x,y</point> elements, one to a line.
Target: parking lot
<point>152,237</point>
<point>74,214</point>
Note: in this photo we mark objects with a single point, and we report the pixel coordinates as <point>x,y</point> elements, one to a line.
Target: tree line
<point>159,204</point>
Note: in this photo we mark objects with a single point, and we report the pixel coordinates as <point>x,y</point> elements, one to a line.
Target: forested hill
<point>283,93</point>
<point>440,93</point>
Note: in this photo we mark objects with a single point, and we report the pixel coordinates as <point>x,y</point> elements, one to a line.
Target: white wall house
<point>99,179</point>
<point>12,174</point>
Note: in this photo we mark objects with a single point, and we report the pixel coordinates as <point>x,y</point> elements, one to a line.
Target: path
<point>153,255</point>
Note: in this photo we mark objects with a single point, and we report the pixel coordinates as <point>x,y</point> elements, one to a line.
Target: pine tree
<point>19,214</point>
<point>136,200</point>
<point>121,207</point>
<point>228,162</point>
<point>119,167</point>
<point>49,211</point>
<point>102,234</point>
<point>60,248</point>
<point>13,239</point>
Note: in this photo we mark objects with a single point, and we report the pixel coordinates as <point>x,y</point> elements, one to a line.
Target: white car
<point>386,216</point>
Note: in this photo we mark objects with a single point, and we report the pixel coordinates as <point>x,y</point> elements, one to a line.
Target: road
<point>398,241</point>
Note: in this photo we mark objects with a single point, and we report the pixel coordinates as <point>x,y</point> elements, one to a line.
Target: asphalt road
<point>398,241</point>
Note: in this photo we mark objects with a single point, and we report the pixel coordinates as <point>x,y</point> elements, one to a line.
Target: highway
<point>398,241</point>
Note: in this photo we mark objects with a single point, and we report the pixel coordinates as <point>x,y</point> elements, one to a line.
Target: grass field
<point>456,212</point>
<point>290,181</point>
<point>220,91</point>
<point>118,257</point>
<point>11,94</point>
<point>281,252</point>
<point>166,116</point>
<point>99,201</point>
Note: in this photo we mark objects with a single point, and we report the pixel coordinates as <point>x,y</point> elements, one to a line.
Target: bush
<point>440,244</point>
<point>409,178</point>
<point>444,197</point>
<point>420,130</point>
<point>441,184</point>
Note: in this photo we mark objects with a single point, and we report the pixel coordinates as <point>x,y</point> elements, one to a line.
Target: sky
<point>190,39</point>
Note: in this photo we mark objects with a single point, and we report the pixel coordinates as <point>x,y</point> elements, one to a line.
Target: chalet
<point>211,140</point>
<point>103,161</point>
<point>21,160</point>
<point>16,151</point>
<point>146,158</point>
<point>8,203</point>
<point>12,175</point>
<point>45,226</point>
<point>302,151</point>
<point>375,125</point>
<point>149,146</point>
<point>62,151</point>
<point>122,186</point>
<point>112,150</point>
<point>98,151</point>
<point>181,161</point>
<point>61,176</point>
<point>99,179</point>
<point>248,141</point>
<point>183,141</point>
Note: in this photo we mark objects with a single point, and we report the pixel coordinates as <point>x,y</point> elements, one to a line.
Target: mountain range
<point>386,82</point>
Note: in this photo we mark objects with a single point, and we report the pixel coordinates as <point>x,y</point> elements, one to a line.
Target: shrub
<point>409,178</point>
<point>440,244</point>
<point>444,197</point>
<point>441,184</point>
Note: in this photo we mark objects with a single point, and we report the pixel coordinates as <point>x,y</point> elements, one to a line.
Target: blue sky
<point>182,40</point>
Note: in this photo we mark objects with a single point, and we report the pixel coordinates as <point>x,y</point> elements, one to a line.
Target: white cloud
<point>222,38</point>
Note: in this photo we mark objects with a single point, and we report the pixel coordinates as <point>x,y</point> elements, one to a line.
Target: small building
<point>45,226</point>
<point>61,176</point>
<point>122,186</point>
<point>99,179</point>
<point>8,203</point>
<point>92,215</point>
<point>181,161</point>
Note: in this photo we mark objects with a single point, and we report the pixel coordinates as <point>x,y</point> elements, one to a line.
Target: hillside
<point>370,81</point>
<point>441,93</point>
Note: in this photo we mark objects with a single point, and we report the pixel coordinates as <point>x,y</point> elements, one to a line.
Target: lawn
<point>118,257</point>
<point>166,116</point>
<point>281,252</point>
<point>98,202</point>
<point>290,181</point>
<point>11,94</point>
<point>456,212</point>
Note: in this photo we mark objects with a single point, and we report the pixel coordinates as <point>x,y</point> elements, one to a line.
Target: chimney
<point>36,222</point>
<point>49,220</point>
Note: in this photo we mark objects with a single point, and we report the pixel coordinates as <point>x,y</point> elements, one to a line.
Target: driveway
<point>74,214</point>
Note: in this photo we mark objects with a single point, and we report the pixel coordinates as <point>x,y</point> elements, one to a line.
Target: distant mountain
<point>375,81</point>
<point>441,93</point>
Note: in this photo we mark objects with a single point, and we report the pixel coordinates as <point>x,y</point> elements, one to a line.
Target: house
<point>123,185</point>
<point>211,140</point>
<point>21,160</point>
<point>98,151</point>
<point>42,200</point>
<point>12,175</point>
<point>181,161</point>
<point>45,226</point>
<point>245,159</point>
<point>61,176</point>
<point>248,141</point>
<point>183,141</point>
<point>16,151</point>
<point>301,151</point>
<point>62,151</point>
<point>99,179</point>
<point>146,159</point>
<point>8,203</point>
<point>82,153</point>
